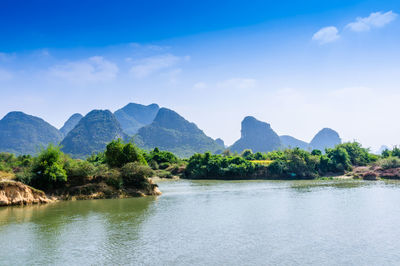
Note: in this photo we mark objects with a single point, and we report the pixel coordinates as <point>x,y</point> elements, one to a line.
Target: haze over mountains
<point>149,126</point>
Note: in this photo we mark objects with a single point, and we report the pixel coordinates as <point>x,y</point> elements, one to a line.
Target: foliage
<point>48,171</point>
<point>136,175</point>
<point>389,162</point>
<point>214,166</point>
<point>339,159</point>
<point>118,154</point>
<point>160,157</point>
<point>358,156</point>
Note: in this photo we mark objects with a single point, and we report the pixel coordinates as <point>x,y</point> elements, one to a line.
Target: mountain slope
<point>24,134</point>
<point>257,136</point>
<point>134,116</point>
<point>170,131</point>
<point>291,142</point>
<point>70,124</point>
<point>325,138</point>
<point>92,134</point>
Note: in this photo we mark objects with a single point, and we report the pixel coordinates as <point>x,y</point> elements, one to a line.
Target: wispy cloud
<point>238,83</point>
<point>93,69</point>
<point>147,66</point>
<point>326,35</point>
<point>374,20</point>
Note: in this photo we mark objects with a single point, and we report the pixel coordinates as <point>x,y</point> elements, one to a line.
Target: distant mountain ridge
<point>70,124</point>
<point>170,131</point>
<point>134,116</point>
<point>150,126</point>
<point>92,133</point>
<point>291,142</point>
<point>25,134</point>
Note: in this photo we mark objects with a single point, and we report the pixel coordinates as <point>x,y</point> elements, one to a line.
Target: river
<point>213,223</point>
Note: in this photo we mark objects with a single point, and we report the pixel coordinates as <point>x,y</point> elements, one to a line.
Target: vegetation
<point>289,163</point>
<point>124,166</point>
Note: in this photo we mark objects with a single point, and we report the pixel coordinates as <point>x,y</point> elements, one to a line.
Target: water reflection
<point>66,230</point>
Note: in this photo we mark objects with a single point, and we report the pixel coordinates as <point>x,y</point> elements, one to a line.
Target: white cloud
<point>238,83</point>
<point>147,66</point>
<point>374,20</point>
<point>93,69</point>
<point>326,35</point>
<point>5,75</point>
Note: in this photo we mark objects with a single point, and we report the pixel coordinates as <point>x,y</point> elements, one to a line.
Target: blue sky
<point>299,65</point>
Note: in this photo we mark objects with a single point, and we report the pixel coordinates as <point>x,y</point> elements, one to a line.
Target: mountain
<point>134,116</point>
<point>25,134</point>
<point>70,124</point>
<point>257,136</point>
<point>326,138</point>
<point>92,133</point>
<point>291,142</point>
<point>170,131</point>
<point>220,142</point>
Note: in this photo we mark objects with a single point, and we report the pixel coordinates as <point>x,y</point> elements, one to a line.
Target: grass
<point>6,175</point>
<point>262,162</point>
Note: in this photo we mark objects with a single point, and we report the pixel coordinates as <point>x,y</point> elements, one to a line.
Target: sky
<point>298,65</point>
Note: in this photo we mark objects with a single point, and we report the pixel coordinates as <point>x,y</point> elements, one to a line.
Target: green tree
<point>118,154</point>
<point>48,171</point>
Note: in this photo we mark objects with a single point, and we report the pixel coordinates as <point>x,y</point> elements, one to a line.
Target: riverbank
<point>17,193</point>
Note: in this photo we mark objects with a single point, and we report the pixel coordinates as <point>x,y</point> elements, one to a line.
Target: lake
<point>214,223</point>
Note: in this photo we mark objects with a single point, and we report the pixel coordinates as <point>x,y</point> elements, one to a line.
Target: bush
<point>118,154</point>
<point>24,176</point>
<point>390,162</point>
<point>136,175</point>
<point>157,157</point>
<point>48,171</point>
<point>79,168</point>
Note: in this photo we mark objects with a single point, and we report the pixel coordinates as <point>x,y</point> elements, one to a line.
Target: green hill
<point>170,131</point>
<point>92,134</point>
<point>25,134</point>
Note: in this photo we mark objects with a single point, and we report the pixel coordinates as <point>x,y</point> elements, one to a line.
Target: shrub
<point>118,154</point>
<point>47,169</point>
<point>390,162</point>
<point>136,175</point>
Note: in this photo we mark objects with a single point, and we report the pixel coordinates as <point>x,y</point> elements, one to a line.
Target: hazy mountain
<point>170,131</point>
<point>24,134</point>
<point>257,136</point>
<point>92,133</point>
<point>220,142</point>
<point>326,138</point>
<point>291,142</point>
<point>70,124</point>
<point>134,116</point>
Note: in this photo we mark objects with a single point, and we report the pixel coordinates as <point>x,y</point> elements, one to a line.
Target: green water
<point>214,223</point>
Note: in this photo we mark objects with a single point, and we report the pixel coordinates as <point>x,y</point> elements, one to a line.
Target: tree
<point>48,171</point>
<point>247,154</point>
<point>118,153</point>
<point>340,159</point>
